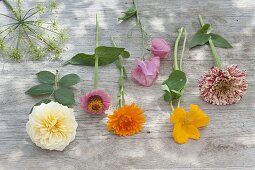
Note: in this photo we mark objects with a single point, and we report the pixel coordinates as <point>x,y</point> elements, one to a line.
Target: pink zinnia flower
<point>146,71</point>
<point>223,87</point>
<point>160,48</point>
<point>95,102</point>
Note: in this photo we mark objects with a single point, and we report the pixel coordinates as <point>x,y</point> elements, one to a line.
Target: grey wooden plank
<point>229,140</point>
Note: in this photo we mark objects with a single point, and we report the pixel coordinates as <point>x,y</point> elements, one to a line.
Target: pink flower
<point>146,71</point>
<point>223,87</point>
<point>95,102</point>
<point>160,48</point>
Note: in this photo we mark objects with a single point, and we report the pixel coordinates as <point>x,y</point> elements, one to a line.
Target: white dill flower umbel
<point>27,32</point>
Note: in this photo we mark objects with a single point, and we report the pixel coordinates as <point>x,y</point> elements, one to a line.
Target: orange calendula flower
<point>186,124</point>
<point>126,120</point>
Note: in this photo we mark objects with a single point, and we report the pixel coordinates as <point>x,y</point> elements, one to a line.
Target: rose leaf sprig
<point>58,89</point>
<point>97,101</point>
<point>133,12</point>
<point>127,120</point>
<point>220,86</point>
<point>185,124</point>
<point>29,33</point>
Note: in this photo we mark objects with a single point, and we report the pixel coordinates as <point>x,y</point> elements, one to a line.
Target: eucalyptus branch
<point>215,54</point>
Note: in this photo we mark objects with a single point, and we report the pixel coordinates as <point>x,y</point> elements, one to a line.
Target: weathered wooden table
<point>228,141</point>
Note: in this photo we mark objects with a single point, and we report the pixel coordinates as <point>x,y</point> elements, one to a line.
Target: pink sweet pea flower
<point>160,48</point>
<point>146,71</point>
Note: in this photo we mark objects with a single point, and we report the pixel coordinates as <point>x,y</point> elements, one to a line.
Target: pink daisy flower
<point>223,87</point>
<point>95,102</point>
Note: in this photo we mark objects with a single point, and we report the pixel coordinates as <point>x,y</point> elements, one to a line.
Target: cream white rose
<point>52,126</point>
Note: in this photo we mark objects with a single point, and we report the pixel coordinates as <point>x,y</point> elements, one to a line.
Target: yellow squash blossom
<point>186,124</point>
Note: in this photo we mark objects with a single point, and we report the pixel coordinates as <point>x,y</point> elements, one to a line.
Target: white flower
<point>52,126</point>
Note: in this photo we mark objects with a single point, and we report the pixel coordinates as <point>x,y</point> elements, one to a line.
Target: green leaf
<point>165,88</point>
<point>46,77</point>
<point>199,39</point>
<point>107,55</point>
<point>40,89</point>
<point>125,54</point>
<point>46,101</point>
<point>130,12</point>
<point>168,97</point>
<point>69,80</point>
<point>219,41</point>
<point>206,29</point>
<point>177,93</point>
<point>176,80</point>
<point>82,59</point>
<point>64,96</point>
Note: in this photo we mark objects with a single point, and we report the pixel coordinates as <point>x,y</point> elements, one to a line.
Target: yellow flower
<point>126,121</point>
<point>186,124</point>
<point>52,126</point>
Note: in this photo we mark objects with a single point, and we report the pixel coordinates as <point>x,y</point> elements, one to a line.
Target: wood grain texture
<point>228,141</point>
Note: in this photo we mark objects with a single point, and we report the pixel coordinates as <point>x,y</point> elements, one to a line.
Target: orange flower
<point>186,124</point>
<point>126,120</point>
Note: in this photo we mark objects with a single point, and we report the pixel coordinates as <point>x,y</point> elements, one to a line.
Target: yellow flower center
<point>95,104</point>
<point>52,124</point>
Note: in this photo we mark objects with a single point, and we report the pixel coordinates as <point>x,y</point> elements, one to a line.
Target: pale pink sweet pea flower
<point>160,48</point>
<point>146,71</point>
<point>95,102</point>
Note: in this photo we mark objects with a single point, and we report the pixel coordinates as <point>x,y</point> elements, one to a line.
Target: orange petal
<point>179,134</point>
<point>178,115</point>
<point>197,117</point>
<point>192,131</point>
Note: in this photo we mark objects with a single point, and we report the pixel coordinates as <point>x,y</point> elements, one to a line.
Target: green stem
<point>8,16</point>
<point>122,93</point>
<point>183,47</point>
<point>171,105</point>
<point>19,38</point>
<point>96,57</point>
<point>122,77</point>
<point>215,54</point>
<point>56,80</point>
<point>31,15</point>
<point>138,22</point>
<point>176,67</point>
<point>32,23</point>
<point>9,6</point>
